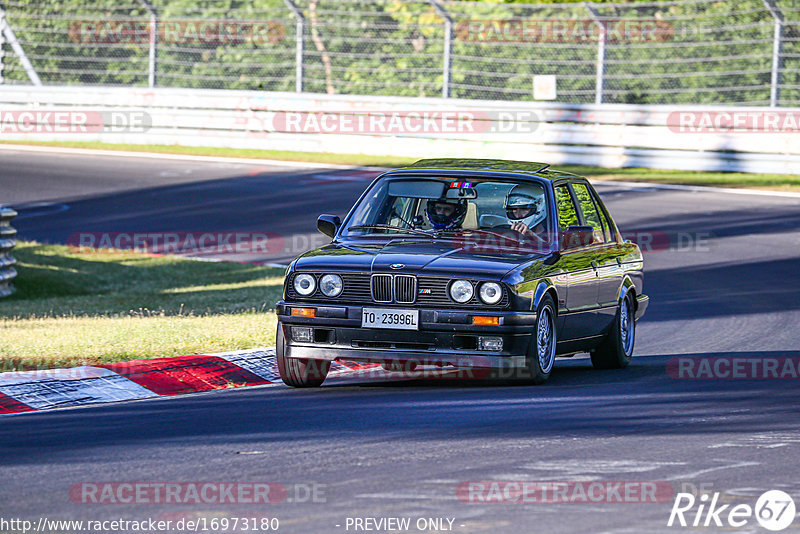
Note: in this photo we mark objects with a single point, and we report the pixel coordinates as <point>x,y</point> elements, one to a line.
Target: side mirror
<point>577,236</point>
<point>328,224</point>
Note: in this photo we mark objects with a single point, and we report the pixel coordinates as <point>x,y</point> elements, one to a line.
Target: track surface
<point>398,448</point>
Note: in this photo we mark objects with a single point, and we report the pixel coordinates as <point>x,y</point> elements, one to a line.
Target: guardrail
<point>7,242</point>
<point>607,135</point>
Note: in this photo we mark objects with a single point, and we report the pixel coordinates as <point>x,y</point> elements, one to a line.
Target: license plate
<point>390,318</point>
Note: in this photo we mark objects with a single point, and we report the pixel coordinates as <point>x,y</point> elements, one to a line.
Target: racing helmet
<point>528,198</point>
<point>446,221</point>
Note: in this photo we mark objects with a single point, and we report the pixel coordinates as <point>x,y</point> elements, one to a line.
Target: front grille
<point>405,289</point>
<point>382,287</point>
<point>430,291</point>
<point>400,288</point>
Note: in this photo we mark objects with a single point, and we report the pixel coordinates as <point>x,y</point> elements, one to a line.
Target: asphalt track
<point>726,284</point>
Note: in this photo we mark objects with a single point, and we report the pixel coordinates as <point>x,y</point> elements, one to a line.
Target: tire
<point>616,350</point>
<point>297,372</point>
<point>541,353</point>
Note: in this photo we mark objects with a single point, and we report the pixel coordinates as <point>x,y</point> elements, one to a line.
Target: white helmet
<point>529,198</point>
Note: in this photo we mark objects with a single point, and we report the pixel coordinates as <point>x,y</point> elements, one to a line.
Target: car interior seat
<point>471,219</point>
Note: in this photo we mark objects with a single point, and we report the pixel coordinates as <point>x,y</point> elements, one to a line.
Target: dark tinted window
<point>566,209</point>
<point>589,211</point>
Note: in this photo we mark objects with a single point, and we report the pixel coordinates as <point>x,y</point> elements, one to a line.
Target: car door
<point>578,274</point>
<point>604,252</point>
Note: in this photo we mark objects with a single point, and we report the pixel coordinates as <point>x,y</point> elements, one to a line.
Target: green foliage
<point>673,52</point>
<point>567,216</point>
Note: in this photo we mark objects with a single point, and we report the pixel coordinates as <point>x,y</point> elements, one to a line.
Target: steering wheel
<point>529,234</point>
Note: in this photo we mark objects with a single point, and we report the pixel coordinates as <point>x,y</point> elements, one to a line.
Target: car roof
<point>485,166</point>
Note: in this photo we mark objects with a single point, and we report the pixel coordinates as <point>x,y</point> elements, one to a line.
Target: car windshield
<point>431,207</point>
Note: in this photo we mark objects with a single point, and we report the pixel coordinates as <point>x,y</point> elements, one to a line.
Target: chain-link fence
<point>686,51</point>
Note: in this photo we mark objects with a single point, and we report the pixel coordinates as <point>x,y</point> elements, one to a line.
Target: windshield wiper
<point>478,230</point>
<point>389,227</point>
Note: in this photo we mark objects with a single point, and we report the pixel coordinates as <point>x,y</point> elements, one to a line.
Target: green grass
<point>782,182</point>
<point>283,155</point>
<point>78,307</point>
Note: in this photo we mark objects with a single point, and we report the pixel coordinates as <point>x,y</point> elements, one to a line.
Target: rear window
<point>567,216</point>
<point>589,211</point>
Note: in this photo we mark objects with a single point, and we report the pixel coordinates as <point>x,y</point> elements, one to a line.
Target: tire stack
<point>7,242</point>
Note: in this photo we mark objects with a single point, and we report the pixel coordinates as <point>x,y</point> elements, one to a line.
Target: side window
<point>610,235</point>
<point>589,210</point>
<point>566,209</point>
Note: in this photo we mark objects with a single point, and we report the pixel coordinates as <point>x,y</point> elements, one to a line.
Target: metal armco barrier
<point>605,135</point>
<point>7,242</point>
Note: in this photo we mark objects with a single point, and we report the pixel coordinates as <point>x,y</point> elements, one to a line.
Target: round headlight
<point>490,292</point>
<point>304,284</point>
<point>331,285</point>
<point>461,291</point>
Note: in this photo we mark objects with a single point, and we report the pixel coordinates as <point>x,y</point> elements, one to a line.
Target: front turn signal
<point>484,320</point>
<point>304,312</point>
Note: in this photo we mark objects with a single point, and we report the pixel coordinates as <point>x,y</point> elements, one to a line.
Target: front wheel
<point>541,354</point>
<point>617,348</point>
<point>297,372</point>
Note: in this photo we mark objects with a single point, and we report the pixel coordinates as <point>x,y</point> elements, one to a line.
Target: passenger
<point>525,209</point>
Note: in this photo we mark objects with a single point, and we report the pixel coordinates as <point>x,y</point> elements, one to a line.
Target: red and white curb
<point>28,391</point>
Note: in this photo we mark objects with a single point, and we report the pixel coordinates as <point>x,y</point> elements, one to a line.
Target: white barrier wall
<point>608,135</point>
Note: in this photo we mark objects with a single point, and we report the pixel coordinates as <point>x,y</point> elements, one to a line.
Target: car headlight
<point>331,285</point>
<point>490,292</point>
<point>461,291</point>
<point>305,284</point>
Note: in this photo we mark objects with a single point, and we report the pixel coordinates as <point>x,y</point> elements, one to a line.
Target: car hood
<point>432,257</point>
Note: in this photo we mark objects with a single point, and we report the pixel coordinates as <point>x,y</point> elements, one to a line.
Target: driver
<point>524,206</point>
<point>446,213</point>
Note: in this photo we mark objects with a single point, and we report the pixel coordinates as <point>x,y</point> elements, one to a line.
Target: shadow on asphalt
<point>723,289</point>
<point>578,401</point>
<point>270,202</point>
<point>724,223</point>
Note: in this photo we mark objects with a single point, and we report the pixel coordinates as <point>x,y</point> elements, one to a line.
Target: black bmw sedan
<point>473,264</point>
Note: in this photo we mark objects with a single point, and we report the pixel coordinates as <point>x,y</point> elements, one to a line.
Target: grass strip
<point>78,307</point>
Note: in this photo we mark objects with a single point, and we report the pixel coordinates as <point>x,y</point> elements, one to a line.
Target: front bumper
<point>445,337</point>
